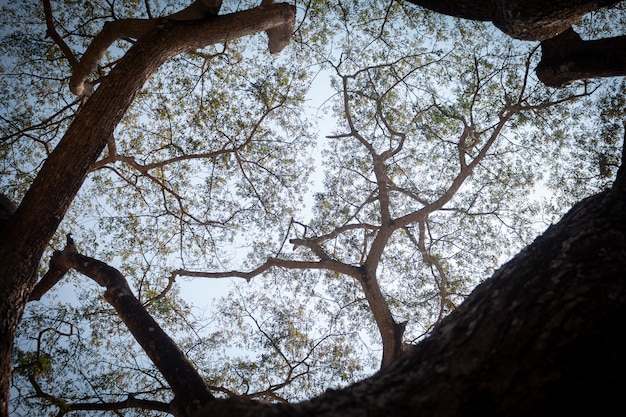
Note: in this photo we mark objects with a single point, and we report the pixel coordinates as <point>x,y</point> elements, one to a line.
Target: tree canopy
<point>155,149</point>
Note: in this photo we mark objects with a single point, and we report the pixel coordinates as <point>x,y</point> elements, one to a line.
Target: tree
<point>566,57</point>
<point>190,390</point>
<point>35,220</point>
<point>373,215</point>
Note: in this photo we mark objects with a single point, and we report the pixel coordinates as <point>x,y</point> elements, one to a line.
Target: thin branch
<point>148,9</point>
<point>433,262</point>
<point>310,242</point>
<point>51,31</point>
<point>46,123</point>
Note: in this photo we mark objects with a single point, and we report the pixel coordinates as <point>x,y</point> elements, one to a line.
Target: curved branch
<point>54,274</point>
<point>280,26</point>
<point>540,335</point>
<point>111,32</point>
<point>129,402</point>
<point>51,31</point>
<point>521,19</point>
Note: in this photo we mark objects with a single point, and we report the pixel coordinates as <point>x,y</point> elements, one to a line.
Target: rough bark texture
<point>541,337</point>
<point>474,10</point>
<point>538,20</point>
<point>522,19</point>
<point>30,228</point>
<point>567,57</point>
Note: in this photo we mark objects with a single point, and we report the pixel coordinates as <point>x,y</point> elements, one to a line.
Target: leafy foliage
<point>446,157</point>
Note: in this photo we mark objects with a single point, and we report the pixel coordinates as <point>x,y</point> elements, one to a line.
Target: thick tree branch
<point>223,27</point>
<point>481,10</point>
<point>541,21</point>
<point>7,208</point>
<point>126,28</point>
<point>521,19</point>
<point>278,36</point>
<point>54,274</point>
<point>199,9</point>
<point>189,388</point>
<point>112,31</point>
<point>41,210</point>
<point>130,402</point>
<point>566,58</point>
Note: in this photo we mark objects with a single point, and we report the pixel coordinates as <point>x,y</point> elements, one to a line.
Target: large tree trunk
<point>26,232</point>
<point>542,336</point>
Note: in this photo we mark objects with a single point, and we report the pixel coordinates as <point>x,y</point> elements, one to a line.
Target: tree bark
<point>390,331</point>
<point>481,10</point>
<point>540,336</point>
<point>30,228</point>
<point>567,57</point>
<point>534,20</point>
<point>539,20</point>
